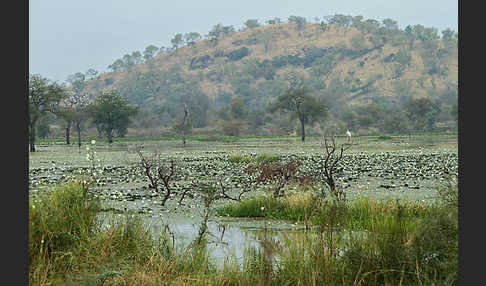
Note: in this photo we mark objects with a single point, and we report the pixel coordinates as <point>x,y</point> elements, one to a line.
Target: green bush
<point>238,54</point>
<point>267,157</point>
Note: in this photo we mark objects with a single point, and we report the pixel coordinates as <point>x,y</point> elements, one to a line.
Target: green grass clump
<point>59,221</point>
<point>238,158</point>
<point>267,157</point>
<point>306,206</point>
<point>252,207</point>
<point>68,242</point>
<point>363,212</point>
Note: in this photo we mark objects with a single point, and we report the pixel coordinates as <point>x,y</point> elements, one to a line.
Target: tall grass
<point>67,238</point>
<point>397,244</point>
<point>59,221</point>
<point>70,243</point>
<point>369,242</point>
<point>307,206</point>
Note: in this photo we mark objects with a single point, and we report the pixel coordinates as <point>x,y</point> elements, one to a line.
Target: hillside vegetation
<point>370,75</point>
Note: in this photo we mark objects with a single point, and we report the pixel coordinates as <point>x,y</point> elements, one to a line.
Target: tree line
<point>110,112</point>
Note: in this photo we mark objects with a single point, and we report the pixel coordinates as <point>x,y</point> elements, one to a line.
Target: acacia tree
<point>77,105</point>
<point>251,23</point>
<point>44,97</point>
<point>110,112</point>
<point>136,57</point>
<point>302,105</point>
<point>191,38</point>
<point>177,41</point>
<point>67,109</point>
<point>65,113</point>
<point>149,52</point>
<point>117,66</point>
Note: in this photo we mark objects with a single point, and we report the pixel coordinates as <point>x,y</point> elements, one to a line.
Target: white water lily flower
<point>262,208</point>
<point>93,142</point>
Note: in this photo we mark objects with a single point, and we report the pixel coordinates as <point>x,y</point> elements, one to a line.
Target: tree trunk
<point>78,129</point>
<point>32,137</point>
<point>68,131</point>
<point>186,114</point>
<point>302,129</point>
<point>110,137</point>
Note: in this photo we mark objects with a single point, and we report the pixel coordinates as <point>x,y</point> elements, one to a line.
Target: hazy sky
<point>66,37</point>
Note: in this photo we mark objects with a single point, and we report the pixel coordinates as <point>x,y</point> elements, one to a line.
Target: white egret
<point>349,134</point>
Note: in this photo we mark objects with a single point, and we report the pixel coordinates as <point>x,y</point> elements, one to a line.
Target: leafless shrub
<point>278,174</point>
<point>162,173</point>
<point>328,165</point>
<point>221,189</point>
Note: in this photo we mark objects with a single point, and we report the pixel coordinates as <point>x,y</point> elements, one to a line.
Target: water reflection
<point>228,238</point>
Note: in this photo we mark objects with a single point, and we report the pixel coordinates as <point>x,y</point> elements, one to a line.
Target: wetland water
<point>228,238</point>
<point>394,168</point>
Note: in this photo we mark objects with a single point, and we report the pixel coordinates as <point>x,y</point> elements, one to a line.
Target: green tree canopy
<point>302,105</point>
<point>110,112</point>
<point>421,112</point>
<point>177,41</point>
<point>237,108</point>
<point>149,52</point>
<point>192,37</point>
<point>390,24</point>
<point>91,73</point>
<point>136,57</point>
<point>299,21</point>
<point>44,97</point>
<point>117,65</point>
<point>251,23</point>
<point>128,61</point>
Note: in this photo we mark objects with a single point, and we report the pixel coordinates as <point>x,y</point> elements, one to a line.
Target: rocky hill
<point>345,61</point>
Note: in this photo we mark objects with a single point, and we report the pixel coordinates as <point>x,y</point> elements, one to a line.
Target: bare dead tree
<point>186,115</point>
<point>277,173</point>
<point>182,124</point>
<point>224,192</point>
<point>161,173</point>
<point>329,162</point>
<point>221,189</point>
